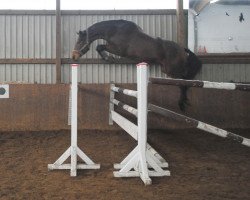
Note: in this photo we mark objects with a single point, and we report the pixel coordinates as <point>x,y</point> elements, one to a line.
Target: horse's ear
<point>79,33</point>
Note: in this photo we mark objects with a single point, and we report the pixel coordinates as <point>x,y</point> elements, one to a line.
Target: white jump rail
<point>126,107</point>
<point>132,93</point>
<point>73,151</point>
<point>143,161</point>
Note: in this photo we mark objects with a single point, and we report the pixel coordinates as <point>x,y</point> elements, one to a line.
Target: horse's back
<point>121,24</point>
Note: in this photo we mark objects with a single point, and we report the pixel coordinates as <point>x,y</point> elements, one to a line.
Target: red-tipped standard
<point>142,64</point>
<point>74,65</point>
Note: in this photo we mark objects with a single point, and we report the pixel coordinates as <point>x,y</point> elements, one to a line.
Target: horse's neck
<point>96,32</point>
<point>92,35</point>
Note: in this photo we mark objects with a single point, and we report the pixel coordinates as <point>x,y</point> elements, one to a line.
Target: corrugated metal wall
<point>32,35</point>
<point>27,36</point>
<point>225,72</point>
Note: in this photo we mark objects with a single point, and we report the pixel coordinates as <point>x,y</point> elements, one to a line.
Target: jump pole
<point>142,99</point>
<point>199,125</point>
<point>139,160</point>
<point>73,151</point>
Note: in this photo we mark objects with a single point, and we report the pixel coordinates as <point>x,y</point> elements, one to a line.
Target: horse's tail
<point>192,66</point>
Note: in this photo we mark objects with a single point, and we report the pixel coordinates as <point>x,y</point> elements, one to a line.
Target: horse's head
<point>81,46</point>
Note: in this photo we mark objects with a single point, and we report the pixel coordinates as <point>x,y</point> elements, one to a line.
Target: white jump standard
<point>73,151</point>
<point>143,161</point>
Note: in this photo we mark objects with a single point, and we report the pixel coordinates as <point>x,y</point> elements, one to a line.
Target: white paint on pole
<point>70,109</point>
<point>216,85</point>
<point>212,129</point>
<point>125,124</point>
<point>73,151</point>
<point>222,133</point>
<point>126,107</point>
<point>132,93</point>
<point>246,142</point>
<point>111,105</point>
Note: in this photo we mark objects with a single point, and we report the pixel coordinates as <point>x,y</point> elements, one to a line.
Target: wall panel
<point>32,34</point>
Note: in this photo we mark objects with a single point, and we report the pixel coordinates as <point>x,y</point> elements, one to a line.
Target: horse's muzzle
<point>75,55</point>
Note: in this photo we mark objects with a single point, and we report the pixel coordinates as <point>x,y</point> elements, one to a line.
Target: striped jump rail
<point>128,92</point>
<point>126,107</point>
<point>198,124</point>
<point>201,84</point>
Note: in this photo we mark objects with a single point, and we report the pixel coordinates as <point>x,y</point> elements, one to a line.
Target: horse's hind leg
<point>102,49</point>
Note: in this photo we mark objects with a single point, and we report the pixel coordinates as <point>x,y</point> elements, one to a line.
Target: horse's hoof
<point>111,59</point>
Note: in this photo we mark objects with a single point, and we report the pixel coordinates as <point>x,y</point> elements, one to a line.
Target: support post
<point>142,99</point>
<point>74,90</point>
<point>58,42</point>
<point>181,36</point>
<point>143,157</point>
<point>111,105</point>
<point>73,151</point>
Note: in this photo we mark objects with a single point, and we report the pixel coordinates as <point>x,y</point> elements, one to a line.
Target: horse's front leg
<point>102,50</point>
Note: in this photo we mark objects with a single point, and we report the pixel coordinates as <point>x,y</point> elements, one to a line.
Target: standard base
<point>137,165</point>
<point>73,152</point>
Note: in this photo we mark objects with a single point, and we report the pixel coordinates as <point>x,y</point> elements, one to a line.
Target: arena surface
<point>202,166</point>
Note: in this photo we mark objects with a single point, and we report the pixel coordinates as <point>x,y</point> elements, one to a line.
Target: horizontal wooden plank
<point>27,61</point>
<point>228,58</point>
<point>63,61</point>
<point>97,61</point>
<point>235,58</point>
<point>92,12</point>
<point>198,83</point>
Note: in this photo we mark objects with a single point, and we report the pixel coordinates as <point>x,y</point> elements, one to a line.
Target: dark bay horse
<point>126,39</point>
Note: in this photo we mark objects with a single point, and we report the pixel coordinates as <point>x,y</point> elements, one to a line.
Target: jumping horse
<point>126,39</point>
